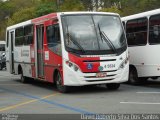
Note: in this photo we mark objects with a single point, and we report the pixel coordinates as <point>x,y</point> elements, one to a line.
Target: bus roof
<point>89,12</point>
<point>19,25</point>
<point>140,15</point>
<point>52,15</point>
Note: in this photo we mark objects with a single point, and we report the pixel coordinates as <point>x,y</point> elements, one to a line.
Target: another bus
<point>143,36</point>
<point>2,46</point>
<point>2,55</point>
<point>70,49</point>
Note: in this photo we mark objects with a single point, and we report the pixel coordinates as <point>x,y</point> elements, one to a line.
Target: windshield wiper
<point>106,39</point>
<point>75,42</point>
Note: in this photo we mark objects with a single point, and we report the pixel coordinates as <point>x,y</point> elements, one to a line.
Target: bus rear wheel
<point>61,88</point>
<point>23,78</point>
<point>133,76</point>
<point>113,86</point>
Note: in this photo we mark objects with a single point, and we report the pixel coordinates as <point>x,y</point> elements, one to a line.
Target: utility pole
<point>58,3</point>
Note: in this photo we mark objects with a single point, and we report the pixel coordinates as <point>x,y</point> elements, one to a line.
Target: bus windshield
<point>93,34</point>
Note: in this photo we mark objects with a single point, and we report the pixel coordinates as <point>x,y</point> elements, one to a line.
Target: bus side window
<point>2,47</point>
<point>19,35</point>
<point>28,34</point>
<point>136,31</point>
<point>53,39</point>
<point>154,29</point>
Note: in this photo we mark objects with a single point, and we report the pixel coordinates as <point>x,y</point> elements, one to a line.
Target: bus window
<point>136,31</point>
<point>2,47</point>
<point>53,39</point>
<point>154,29</point>
<point>19,36</point>
<point>28,35</point>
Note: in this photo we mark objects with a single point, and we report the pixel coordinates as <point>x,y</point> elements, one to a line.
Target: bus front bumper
<point>73,78</point>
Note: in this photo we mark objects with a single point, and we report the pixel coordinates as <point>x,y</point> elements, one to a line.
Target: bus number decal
<point>110,66</point>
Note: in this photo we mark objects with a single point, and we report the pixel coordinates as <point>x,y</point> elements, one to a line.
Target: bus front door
<point>11,52</point>
<point>40,63</point>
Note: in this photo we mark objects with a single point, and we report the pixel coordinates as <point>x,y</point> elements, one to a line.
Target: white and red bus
<point>143,36</point>
<point>69,49</point>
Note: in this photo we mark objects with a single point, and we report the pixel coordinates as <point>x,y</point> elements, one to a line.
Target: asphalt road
<point>38,97</point>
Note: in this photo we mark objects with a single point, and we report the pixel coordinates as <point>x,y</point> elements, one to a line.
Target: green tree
<point>88,5</point>
<point>21,16</point>
<point>72,5</point>
<point>112,9</point>
<point>45,8</point>
<point>15,11</point>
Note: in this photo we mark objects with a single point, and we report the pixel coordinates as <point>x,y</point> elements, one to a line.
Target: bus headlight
<point>72,65</point>
<point>124,63</point>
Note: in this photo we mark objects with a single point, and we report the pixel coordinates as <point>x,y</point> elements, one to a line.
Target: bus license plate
<point>100,75</point>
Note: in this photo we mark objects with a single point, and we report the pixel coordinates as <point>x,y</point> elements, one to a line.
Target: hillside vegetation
<point>15,11</point>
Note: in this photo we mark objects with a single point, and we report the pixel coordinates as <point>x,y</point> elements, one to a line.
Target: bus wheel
<point>23,78</point>
<point>61,88</point>
<point>113,86</point>
<point>133,76</point>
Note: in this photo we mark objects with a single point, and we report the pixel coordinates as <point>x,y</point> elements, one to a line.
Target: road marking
<point>27,102</point>
<point>142,103</point>
<point>149,92</point>
<point>68,107</point>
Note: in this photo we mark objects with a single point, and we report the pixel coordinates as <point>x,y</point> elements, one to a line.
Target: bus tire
<point>61,88</point>
<point>133,76</point>
<point>23,78</point>
<point>113,86</point>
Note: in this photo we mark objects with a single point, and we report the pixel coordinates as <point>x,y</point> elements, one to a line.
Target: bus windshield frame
<point>88,34</point>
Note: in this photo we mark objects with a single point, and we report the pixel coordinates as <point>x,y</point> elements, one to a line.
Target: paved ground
<point>42,98</point>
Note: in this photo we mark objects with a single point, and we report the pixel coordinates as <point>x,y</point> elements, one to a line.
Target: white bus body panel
<point>146,58</point>
<point>73,78</point>
<point>21,53</point>
<point>22,57</point>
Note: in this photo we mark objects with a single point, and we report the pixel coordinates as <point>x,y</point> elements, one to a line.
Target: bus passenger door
<point>40,63</point>
<point>11,51</point>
